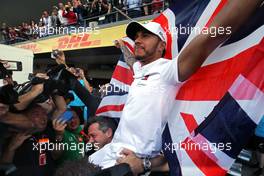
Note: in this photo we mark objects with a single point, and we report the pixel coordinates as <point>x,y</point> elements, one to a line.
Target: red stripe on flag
<point>123,75</point>
<point>110,108</point>
<point>217,10</point>
<point>254,72</point>
<point>201,160</point>
<point>211,82</point>
<point>163,21</point>
<point>189,121</point>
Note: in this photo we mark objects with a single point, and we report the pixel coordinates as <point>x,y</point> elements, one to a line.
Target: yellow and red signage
<point>92,39</point>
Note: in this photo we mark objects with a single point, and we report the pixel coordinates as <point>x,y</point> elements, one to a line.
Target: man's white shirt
<point>63,20</point>
<point>145,113</point>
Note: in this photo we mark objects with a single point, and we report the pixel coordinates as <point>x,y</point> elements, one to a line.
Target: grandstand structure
<point>89,46</point>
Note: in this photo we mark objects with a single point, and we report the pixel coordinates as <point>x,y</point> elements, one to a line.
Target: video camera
<point>59,82</point>
<point>55,54</point>
<point>7,93</point>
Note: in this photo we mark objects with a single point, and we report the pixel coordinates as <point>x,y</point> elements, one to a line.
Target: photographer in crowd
<point>69,15</point>
<point>16,126</point>
<point>78,83</point>
<point>32,117</point>
<point>99,7</point>
<point>54,105</point>
<point>28,150</point>
<point>38,112</point>
<point>77,103</point>
<point>71,136</point>
<point>9,96</point>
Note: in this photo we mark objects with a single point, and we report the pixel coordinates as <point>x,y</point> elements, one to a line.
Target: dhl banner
<point>91,38</point>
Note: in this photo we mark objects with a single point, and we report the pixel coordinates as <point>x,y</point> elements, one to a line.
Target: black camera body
<point>7,93</point>
<point>55,54</point>
<point>58,82</point>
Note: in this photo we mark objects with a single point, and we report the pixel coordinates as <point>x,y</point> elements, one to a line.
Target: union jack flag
<point>220,105</point>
